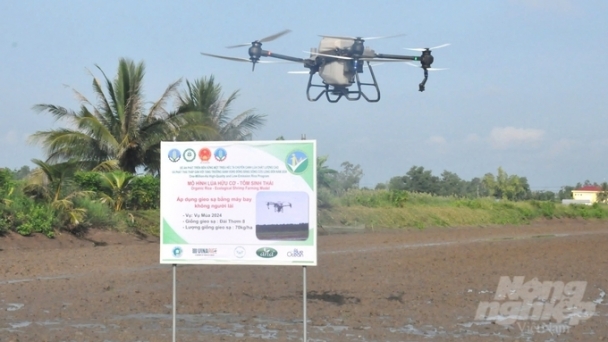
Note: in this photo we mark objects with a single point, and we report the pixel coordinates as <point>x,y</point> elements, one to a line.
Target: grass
<point>374,208</point>
<point>369,208</point>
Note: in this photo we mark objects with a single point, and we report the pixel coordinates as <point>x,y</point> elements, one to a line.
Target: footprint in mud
<point>332,297</point>
<point>396,297</point>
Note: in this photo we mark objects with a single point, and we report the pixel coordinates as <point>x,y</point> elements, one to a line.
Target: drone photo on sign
<point>238,203</point>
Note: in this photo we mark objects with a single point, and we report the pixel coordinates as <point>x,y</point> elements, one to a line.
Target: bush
<point>88,181</point>
<point>325,200</point>
<point>145,193</point>
<point>375,198</point>
<point>98,215</point>
<point>27,217</point>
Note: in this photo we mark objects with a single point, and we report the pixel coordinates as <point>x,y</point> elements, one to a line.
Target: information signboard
<point>239,202</point>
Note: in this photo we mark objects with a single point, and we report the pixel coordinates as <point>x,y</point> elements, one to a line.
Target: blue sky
<point>526,89</point>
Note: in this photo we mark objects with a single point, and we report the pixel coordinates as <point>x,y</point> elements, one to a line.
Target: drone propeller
<point>429,69</point>
<point>237,59</point>
<point>263,40</point>
<point>428,49</point>
<point>362,38</point>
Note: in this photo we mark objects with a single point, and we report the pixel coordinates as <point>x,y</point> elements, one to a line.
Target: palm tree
<point>50,183</point>
<point>326,177</point>
<point>120,132</point>
<point>116,187</point>
<point>202,102</point>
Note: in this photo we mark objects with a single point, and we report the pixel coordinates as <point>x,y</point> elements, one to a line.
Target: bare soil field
<point>406,285</point>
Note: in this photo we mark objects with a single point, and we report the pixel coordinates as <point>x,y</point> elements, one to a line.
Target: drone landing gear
<point>334,94</point>
<point>426,77</point>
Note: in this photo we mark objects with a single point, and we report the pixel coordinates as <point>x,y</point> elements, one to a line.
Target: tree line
<point>107,156</point>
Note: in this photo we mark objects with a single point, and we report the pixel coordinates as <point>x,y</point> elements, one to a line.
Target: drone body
<point>278,206</point>
<point>338,61</point>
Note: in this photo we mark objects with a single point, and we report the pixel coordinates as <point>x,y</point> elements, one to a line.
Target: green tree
<point>417,179</point>
<point>7,186</point>
<point>21,173</point>
<point>565,192</point>
<point>326,177</point>
<point>349,177</point>
<point>451,184</point>
<point>116,189</point>
<point>476,188</point>
<point>602,196</point>
<point>204,105</point>
<point>50,183</point>
<point>120,131</point>
<point>505,186</point>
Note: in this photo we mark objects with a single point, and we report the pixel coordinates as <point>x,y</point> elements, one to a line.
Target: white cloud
<point>505,137</point>
<point>436,140</point>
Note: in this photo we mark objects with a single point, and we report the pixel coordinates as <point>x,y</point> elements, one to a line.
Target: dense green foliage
<point>89,178</point>
<point>126,202</point>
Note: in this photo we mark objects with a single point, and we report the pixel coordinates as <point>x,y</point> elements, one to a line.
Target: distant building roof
<point>589,188</point>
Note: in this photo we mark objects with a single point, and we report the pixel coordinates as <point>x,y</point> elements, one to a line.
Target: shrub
<point>145,193</point>
<point>27,217</point>
<point>98,215</point>
<point>325,200</point>
<point>88,180</point>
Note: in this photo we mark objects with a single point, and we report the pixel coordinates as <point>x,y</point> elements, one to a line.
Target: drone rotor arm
<point>396,58</point>
<point>330,55</point>
<point>266,53</point>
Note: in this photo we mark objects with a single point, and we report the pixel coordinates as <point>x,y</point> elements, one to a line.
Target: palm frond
<point>159,105</point>
<point>60,113</point>
<point>107,166</point>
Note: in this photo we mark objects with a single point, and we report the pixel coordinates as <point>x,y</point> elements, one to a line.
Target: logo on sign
<point>220,154</point>
<point>239,252</point>
<point>297,161</point>
<point>174,155</point>
<point>205,154</point>
<point>189,155</point>
<point>266,252</point>
<point>177,252</point>
<point>295,253</point>
<point>204,251</point>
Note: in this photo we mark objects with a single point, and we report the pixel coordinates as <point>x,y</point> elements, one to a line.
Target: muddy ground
<point>374,286</point>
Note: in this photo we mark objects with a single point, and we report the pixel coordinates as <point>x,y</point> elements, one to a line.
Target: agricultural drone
<point>278,206</point>
<point>339,61</point>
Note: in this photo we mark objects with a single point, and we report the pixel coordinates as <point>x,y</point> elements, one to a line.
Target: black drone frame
<point>355,54</point>
<point>278,206</point>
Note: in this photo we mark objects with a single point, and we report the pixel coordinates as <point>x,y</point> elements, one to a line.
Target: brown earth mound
<point>406,285</point>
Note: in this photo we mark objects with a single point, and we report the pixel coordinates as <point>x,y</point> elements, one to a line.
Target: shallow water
<point>234,326</point>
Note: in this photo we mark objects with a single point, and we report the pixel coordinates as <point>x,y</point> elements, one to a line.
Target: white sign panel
<point>239,202</point>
